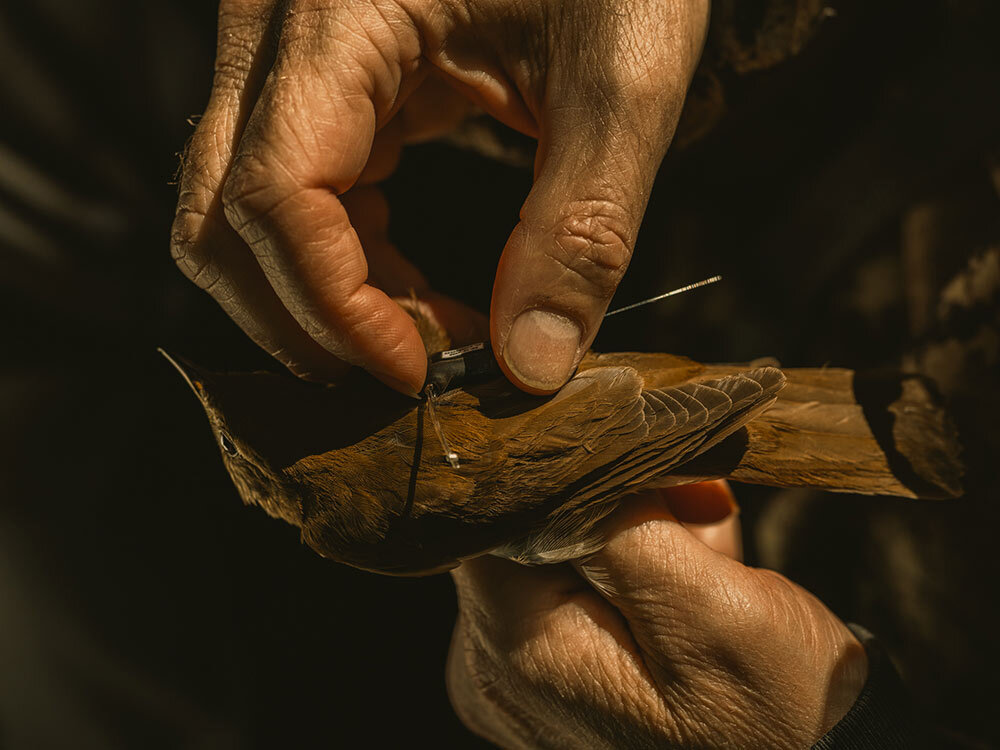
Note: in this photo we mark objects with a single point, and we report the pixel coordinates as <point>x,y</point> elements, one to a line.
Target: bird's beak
<point>193,375</point>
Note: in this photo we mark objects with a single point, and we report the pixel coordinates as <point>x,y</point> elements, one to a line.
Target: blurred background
<point>848,196</point>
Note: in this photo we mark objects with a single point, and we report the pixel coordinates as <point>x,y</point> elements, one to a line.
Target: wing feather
<point>680,422</point>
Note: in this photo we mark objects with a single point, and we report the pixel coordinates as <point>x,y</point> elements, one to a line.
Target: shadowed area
<point>908,420</point>
<point>144,606</point>
<point>287,419</point>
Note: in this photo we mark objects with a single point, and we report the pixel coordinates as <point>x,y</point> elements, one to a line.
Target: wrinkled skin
<point>311,104</point>
<point>663,639</point>
<point>658,639</point>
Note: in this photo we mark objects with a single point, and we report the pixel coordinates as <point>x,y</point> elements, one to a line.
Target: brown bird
<point>359,468</point>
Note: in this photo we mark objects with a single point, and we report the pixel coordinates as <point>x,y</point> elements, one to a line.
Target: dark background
<point>140,604</point>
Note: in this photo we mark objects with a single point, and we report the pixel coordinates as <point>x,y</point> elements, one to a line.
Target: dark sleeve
<point>882,717</point>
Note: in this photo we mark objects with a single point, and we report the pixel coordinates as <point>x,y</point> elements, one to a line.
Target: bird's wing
<point>714,410</point>
<point>685,420</point>
<point>597,417</point>
<point>662,429</point>
<point>604,433</point>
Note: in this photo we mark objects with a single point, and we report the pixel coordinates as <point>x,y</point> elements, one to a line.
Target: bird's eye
<point>228,446</point>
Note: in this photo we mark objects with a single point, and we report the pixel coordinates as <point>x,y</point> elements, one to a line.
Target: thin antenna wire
<point>449,455</point>
<point>657,298</point>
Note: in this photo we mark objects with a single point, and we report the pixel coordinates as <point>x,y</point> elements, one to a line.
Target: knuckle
<point>189,218</point>
<point>192,259</point>
<point>201,167</point>
<point>244,182</point>
<point>239,36</point>
<point>200,170</point>
<point>594,241</point>
<point>183,238</point>
<point>231,71</point>
<point>207,151</point>
<point>545,650</point>
<point>250,190</point>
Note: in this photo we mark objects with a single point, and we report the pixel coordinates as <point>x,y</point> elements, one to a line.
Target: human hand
<point>662,639</point>
<point>311,103</point>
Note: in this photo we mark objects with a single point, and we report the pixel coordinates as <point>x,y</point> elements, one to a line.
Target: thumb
<point>653,562</point>
<point>578,227</point>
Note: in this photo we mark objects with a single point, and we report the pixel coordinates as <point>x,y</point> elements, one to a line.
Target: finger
<point>651,559</point>
<point>682,599</point>
<point>709,511</point>
<point>500,604</point>
<point>469,685</point>
<point>598,154</point>
<point>702,503</point>
<point>388,270</point>
<point>707,625</point>
<point>307,141</point>
<point>397,277</point>
<point>387,148</point>
<point>501,590</point>
<point>543,647</point>
<point>204,246</point>
<point>725,536</point>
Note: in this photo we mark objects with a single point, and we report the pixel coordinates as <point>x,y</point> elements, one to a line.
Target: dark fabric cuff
<point>882,717</point>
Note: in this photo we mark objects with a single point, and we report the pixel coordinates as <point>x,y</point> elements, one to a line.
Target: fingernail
<point>541,349</point>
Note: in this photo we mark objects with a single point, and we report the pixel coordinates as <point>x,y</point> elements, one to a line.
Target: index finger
<point>307,141</point>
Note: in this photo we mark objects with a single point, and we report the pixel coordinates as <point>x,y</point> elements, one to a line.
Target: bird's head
<point>286,442</point>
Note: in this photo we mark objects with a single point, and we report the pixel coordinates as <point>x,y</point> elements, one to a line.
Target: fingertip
<point>541,351</point>
<point>408,377</point>
<point>537,335</point>
<point>701,502</point>
<point>381,337</point>
<point>709,511</point>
